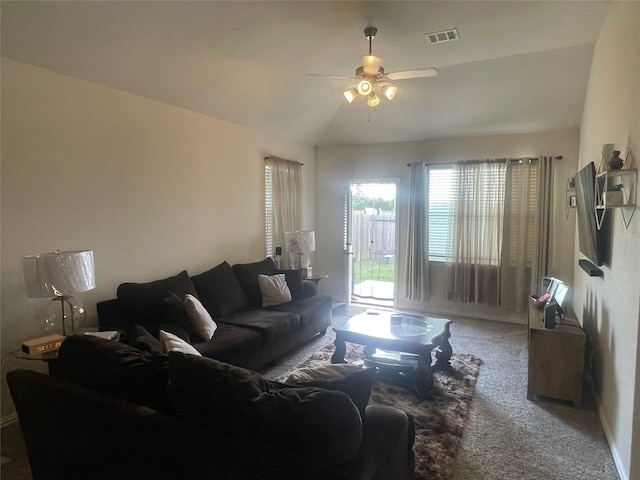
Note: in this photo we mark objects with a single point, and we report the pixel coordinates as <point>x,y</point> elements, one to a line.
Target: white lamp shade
<point>301,241</point>
<point>350,94</point>
<point>58,273</point>
<point>389,91</point>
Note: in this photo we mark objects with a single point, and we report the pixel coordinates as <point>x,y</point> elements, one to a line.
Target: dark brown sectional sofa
<point>248,335</point>
<point>113,410</point>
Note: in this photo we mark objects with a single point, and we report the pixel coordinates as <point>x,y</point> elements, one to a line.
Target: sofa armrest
<point>309,288</point>
<point>387,444</point>
<point>75,433</point>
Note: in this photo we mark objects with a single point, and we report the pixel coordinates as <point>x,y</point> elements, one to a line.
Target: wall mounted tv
<point>594,243</point>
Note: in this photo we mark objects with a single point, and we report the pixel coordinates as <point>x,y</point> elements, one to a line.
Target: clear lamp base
<point>65,315</point>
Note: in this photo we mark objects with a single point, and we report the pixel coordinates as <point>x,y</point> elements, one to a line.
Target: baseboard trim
<point>444,312</point>
<point>8,420</point>
<point>607,430</point>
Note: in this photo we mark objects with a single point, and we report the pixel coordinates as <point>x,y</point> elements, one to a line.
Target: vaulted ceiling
<point>519,66</point>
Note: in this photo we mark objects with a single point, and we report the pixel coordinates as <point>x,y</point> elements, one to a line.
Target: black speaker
<point>550,315</point>
<point>278,250</point>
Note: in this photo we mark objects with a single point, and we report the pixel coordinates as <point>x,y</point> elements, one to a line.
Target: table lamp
<point>300,244</point>
<point>59,274</point>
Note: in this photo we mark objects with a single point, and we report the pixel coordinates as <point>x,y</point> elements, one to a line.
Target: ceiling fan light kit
<point>371,77</point>
<point>365,87</point>
<point>350,95</point>
<point>373,100</point>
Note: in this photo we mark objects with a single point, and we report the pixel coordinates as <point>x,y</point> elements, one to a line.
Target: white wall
<point>338,166</point>
<point>152,189</point>
<point>608,306</point>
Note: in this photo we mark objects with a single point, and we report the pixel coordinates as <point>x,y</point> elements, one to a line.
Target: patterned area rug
<point>439,422</point>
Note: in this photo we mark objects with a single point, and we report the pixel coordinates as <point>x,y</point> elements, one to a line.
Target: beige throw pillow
<point>325,372</point>
<point>274,289</point>
<point>200,319</point>
<point>173,343</point>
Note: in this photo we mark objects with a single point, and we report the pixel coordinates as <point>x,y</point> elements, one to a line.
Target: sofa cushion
<point>313,422</point>
<point>199,317</point>
<point>325,372</point>
<point>247,275</point>
<point>141,338</point>
<point>231,344</point>
<point>116,369</point>
<point>273,289</point>
<point>144,303</point>
<point>310,309</point>
<point>272,325</point>
<point>357,384</point>
<point>294,282</point>
<point>219,291</point>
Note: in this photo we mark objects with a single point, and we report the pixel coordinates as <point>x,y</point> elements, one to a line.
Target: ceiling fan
<point>371,76</point>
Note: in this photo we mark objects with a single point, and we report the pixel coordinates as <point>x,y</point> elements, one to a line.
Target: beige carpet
<point>439,422</point>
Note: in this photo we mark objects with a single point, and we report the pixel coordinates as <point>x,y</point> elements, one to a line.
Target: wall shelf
<point>570,195</point>
<point>616,189</point>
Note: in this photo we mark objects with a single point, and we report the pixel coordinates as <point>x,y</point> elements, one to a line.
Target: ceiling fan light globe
<point>373,100</point>
<point>350,94</point>
<point>390,91</point>
<point>371,64</point>
<point>365,87</point>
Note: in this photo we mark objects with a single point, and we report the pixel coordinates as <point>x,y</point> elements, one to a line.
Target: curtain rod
<point>489,160</point>
<point>282,159</point>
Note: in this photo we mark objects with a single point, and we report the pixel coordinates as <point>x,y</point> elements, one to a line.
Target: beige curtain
<point>283,210</point>
<point>477,220</point>
<point>518,244</point>
<point>416,283</point>
<point>544,204</point>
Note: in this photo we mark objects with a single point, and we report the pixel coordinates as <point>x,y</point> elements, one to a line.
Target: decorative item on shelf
<point>605,155</point>
<point>615,163</point>
<point>300,244</point>
<point>615,185</point>
<point>59,274</point>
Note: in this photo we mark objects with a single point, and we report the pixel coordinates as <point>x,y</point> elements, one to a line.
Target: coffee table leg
<point>341,350</point>
<point>444,352</point>
<point>424,376</point>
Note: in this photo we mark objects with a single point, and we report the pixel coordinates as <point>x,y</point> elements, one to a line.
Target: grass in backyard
<point>372,270</point>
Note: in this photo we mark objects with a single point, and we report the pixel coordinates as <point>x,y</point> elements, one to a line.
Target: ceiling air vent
<point>443,36</point>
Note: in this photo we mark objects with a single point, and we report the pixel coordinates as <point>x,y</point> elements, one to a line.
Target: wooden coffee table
<point>411,337</point>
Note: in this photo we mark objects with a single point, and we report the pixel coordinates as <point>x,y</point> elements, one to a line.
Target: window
<point>268,209</point>
<point>282,200</point>
<point>441,197</point>
<point>520,222</point>
<point>466,213</point>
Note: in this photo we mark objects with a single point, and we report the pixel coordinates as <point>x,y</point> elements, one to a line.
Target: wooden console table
<point>556,359</point>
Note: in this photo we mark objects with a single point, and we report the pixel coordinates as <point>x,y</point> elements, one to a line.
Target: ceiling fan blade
<point>407,74</point>
<point>323,75</point>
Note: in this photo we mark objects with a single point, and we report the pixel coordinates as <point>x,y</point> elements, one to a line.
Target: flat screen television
<point>594,243</point>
